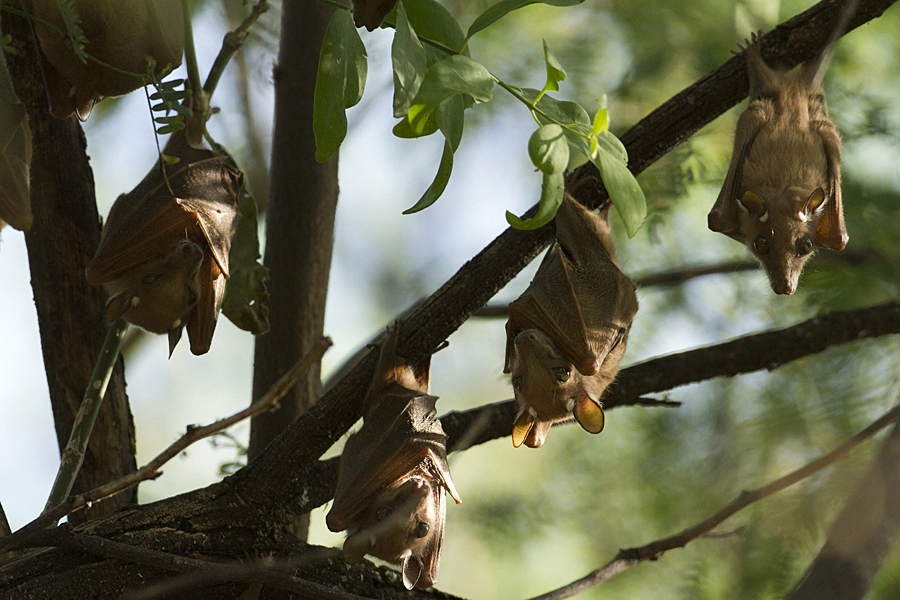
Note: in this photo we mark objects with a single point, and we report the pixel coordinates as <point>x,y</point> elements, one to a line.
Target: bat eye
<point>517,383</point>
<point>150,278</point>
<point>562,374</point>
<point>804,246</point>
<point>761,245</point>
<point>421,529</point>
<point>192,297</point>
<point>382,513</point>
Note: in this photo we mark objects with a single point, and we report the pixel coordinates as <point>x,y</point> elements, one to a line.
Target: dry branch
<point>629,557</point>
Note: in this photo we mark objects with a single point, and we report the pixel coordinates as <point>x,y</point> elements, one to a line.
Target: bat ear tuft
<point>174,338</point>
<point>589,413</point>
<point>411,566</point>
<point>356,546</point>
<point>522,427</point>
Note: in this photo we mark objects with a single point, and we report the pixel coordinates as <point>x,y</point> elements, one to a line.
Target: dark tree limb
<point>629,557</point>
<point>861,536</point>
<point>299,227</point>
<point>71,312</point>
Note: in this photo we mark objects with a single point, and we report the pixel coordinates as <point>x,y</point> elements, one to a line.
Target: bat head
<point>549,388</point>
<point>404,526</point>
<point>159,294</point>
<point>782,232</point>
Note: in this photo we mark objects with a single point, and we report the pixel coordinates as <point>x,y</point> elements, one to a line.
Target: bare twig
<point>151,470</point>
<point>629,557</point>
<point>73,456</point>
<point>231,44</point>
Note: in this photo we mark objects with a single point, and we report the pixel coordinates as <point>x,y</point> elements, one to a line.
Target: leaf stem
<point>190,53</point>
<point>73,455</point>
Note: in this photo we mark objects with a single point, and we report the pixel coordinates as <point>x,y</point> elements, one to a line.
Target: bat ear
<point>116,307</point>
<point>815,200</point>
<point>522,427</point>
<point>174,338</point>
<point>411,566</point>
<point>588,413</point>
<point>356,546</point>
<point>754,205</point>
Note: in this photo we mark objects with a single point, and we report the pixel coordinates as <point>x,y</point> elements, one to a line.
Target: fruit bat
<point>782,193</point>
<point>123,33</point>
<point>567,332</point>
<point>393,473</point>
<point>163,255</point>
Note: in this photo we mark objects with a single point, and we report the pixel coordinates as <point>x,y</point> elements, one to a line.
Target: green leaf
<point>561,111</point>
<point>555,72</point>
<point>404,130</point>
<point>74,33</point>
<point>451,118</point>
<point>455,74</point>
<point>409,62</point>
<point>551,197</point>
<point>501,9</point>
<point>548,149</point>
<point>437,186</point>
<point>339,83</point>
<point>624,191</point>
<point>434,22</point>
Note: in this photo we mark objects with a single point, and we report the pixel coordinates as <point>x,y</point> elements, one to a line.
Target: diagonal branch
<point>628,557</point>
<point>492,268</point>
<point>767,350</point>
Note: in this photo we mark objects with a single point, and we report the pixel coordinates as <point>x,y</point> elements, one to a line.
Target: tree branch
<point>768,350</point>
<point>479,279</point>
<point>151,470</point>
<point>629,557</point>
<point>861,536</point>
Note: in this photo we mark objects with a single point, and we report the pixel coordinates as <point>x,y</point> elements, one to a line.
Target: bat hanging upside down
<point>393,473</point>
<point>782,194</point>
<point>163,256</point>
<point>566,333</point>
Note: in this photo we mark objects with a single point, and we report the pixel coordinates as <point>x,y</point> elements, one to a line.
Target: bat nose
<point>526,339</point>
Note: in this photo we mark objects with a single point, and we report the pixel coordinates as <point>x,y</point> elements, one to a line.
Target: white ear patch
<point>764,217</point>
<point>570,404</point>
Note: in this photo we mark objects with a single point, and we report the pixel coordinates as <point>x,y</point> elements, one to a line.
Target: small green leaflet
<point>74,33</point>
<point>552,188</point>
<point>501,9</point>
<point>627,196</point>
<point>555,72</point>
<point>455,74</point>
<point>409,62</point>
<point>437,186</point>
<point>434,22</point>
<point>339,83</point>
<point>548,149</point>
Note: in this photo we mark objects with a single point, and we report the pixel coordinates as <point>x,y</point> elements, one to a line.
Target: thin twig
<point>231,44</point>
<point>151,470</point>
<point>73,455</point>
<point>629,557</point>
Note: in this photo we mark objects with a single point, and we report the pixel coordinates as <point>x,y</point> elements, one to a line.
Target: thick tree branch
<point>767,350</point>
<point>71,313</point>
<point>629,557</point>
<point>250,508</point>
<point>861,536</point>
<point>479,279</point>
<point>299,226</point>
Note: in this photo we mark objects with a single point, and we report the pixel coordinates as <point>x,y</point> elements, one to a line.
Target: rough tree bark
<point>71,315</point>
<point>246,513</point>
<point>299,227</point>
